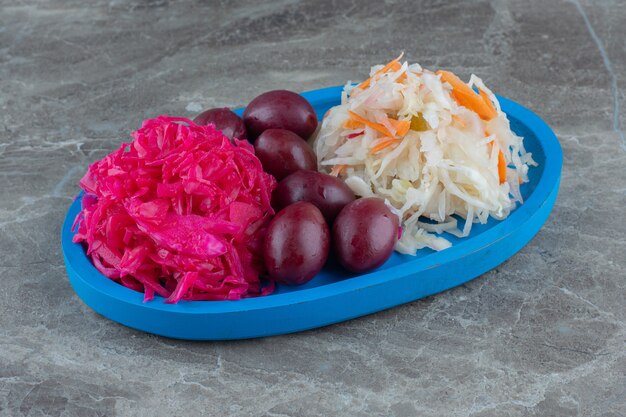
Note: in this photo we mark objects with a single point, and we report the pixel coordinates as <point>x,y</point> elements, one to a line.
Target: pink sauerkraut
<point>180,212</point>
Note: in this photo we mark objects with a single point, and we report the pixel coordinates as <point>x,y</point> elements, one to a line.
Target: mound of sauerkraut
<point>430,145</point>
<point>180,212</point>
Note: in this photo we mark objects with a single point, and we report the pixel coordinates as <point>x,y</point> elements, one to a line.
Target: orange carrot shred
<point>352,124</point>
<point>487,101</point>
<point>467,97</point>
<point>393,65</point>
<point>501,168</point>
<point>402,126</point>
<point>376,126</point>
<point>337,169</point>
<point>383,144</point>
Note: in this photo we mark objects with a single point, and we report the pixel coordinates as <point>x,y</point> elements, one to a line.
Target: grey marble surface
<point>542,335</point>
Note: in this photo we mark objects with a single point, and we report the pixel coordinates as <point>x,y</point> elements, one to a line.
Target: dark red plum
<point>225,120</point>
<point>280,109</point>
<point>282,152</point>
<point>296,244</point>
<point>364,234</point>
<point>328,193</point>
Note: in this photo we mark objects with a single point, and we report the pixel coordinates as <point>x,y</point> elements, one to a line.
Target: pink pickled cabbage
<point>180,212</point>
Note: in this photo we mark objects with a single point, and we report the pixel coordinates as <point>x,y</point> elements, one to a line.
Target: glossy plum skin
<point>364,234</point>
<point>296,244</point>
<point>280,109</point>
<point>225,120</point>
<point>282,152</point>
<point>328,193</point>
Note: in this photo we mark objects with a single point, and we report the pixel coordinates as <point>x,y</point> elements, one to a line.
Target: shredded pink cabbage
<point>180,212</point>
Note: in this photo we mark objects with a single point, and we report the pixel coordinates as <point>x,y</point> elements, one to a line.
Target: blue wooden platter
<point>335,295</point>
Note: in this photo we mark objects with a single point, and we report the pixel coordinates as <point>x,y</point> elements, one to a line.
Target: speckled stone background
<point>542,335</point>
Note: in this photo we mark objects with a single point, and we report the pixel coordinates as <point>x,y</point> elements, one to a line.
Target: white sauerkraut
<point>403,135</point>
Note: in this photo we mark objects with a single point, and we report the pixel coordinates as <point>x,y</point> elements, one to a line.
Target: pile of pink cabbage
<point>180,212</point>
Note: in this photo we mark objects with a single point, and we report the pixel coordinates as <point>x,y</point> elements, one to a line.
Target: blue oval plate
<point>335,295</point>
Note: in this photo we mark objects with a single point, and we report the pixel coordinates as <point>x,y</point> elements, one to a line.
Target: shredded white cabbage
<point>444,164</point>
